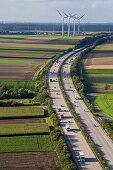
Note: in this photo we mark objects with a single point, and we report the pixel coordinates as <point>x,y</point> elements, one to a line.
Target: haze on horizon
<point>96,11</point>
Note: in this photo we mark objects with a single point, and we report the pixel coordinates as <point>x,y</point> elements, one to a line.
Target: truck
<point>67,127</point>
<point>76,97</point>
<point>81,156</point>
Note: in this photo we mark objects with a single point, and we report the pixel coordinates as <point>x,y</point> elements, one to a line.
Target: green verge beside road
<point>105,103</point>
<point>26,143</point>
<point>24,129</point>
<point>21,112</point>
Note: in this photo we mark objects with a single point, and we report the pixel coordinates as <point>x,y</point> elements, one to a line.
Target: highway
<point>74,137</point>
<point>102,141</point>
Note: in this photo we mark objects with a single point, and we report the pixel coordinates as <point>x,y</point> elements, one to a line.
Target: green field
<point>26,55</point>
<point>24,111</point>
<point>105,103</point>
<point>26,84</point>
<point>98,71</point>
<point>65,40</point>
<point>96,80</point>
<point>26,143</point>
<point>24,129</point>
<point>107,126</point>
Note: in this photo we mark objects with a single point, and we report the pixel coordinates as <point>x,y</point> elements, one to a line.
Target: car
<point>67,127</point>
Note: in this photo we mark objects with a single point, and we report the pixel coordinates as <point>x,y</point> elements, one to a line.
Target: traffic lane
<point>72,137</point>
<point>101,137</point>
<point>66,114</point>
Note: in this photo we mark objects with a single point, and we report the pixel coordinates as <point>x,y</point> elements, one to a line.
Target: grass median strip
<point>21,112</point>
<point>23,129</point>
<point>26,143</point>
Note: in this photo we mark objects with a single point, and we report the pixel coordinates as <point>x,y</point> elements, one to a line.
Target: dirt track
<point>19,121</point>
<point>29,161</point>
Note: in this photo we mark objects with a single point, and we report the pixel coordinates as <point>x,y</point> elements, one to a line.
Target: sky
<point>96,11</point>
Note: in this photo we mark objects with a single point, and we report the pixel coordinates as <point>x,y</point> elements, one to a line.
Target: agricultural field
<point>21,112</point>
<point>98,81</point>
<point>30,160</point>
<point>22,57</point>
<point>24,120</point>
<point>105,103</point>
<point>26,84</point>
<point>23,46</point>
<point>26,143</point>
<point>24,129</point>
<point>19,69</point>
<point>98,69</point>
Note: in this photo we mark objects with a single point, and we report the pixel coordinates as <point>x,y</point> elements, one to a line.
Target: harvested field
<point>34,46</point>
<point>19,121</point>
<point>24,70</point>
<point>29,161</point>
<point>104,47</point>
<point>98,60</point>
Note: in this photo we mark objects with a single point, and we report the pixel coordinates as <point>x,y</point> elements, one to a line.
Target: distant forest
<point>4,27</point>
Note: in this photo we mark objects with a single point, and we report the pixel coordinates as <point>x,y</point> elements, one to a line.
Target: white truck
<point>76,97</point>
<point>67,127</point>
<point>81,156</point>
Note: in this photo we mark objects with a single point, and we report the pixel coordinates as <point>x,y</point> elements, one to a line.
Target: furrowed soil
<point>29,161</point>
<point>19,121</point>
<point>98,60</point>
<point>21,71</point>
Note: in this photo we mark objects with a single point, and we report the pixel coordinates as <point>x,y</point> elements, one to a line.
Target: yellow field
<point>104,47</point>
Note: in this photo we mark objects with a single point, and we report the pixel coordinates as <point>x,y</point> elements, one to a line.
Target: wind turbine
<point>68,16</point>
<point>79,18</point>
<point>74,18</point>
<point>62,22</point>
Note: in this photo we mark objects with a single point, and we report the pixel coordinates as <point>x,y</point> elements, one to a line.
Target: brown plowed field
<point>29,161</point>
<point>19,71</point>
<point>98,60</point>
<point>19,121</point>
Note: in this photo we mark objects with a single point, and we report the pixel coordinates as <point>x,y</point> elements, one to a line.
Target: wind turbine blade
<point>59,13</point>
<point>65,14</point>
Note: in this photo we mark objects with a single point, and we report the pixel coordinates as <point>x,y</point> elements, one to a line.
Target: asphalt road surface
<point>74,137</point>
<point>102,141</point>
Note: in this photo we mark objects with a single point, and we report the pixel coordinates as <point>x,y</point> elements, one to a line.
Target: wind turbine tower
<point>79,18</point>
<point>62,22</point>
<point>69,17</point>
